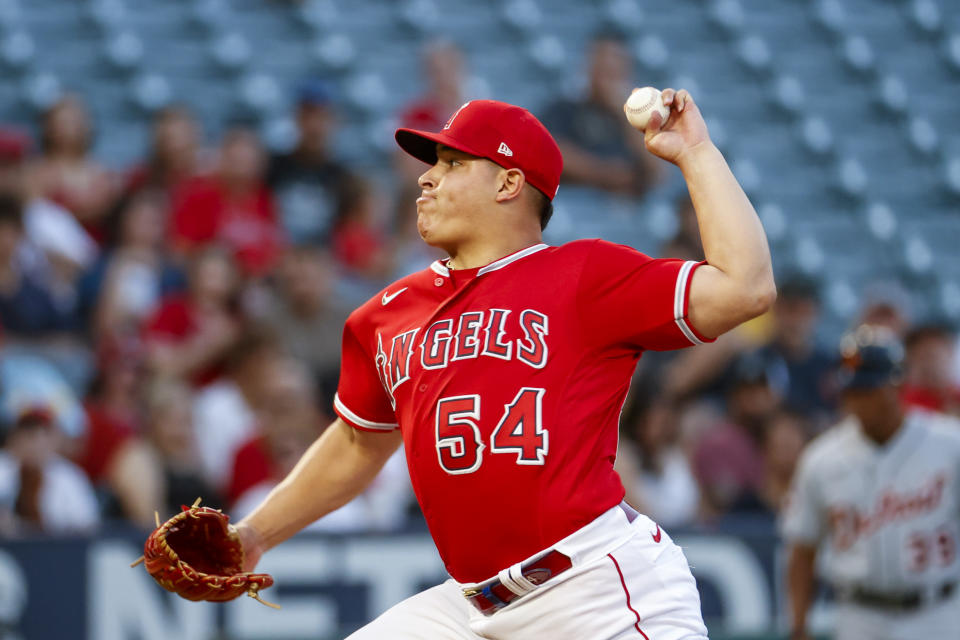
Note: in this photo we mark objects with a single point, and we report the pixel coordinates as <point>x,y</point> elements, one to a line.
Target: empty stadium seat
<point>17,50</point>
<point>124,51</point>
<point>231,51</point>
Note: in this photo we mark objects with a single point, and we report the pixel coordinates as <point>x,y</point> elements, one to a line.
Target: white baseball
<point>642,104</point>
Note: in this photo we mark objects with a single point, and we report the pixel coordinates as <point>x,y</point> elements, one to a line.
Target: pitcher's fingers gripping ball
<point>197,555</point>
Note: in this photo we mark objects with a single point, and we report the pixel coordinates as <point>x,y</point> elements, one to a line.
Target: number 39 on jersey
<point>520,431</point>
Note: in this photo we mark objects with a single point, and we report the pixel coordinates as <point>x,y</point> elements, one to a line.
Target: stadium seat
<point>727,15</point>
<point>754,54</point>
<point>231,51</point>
<point>925,16</point>
<point>260,94</point>
<point>318,15</point>
<point>625,14</point>
<point>279,134</point>
<point>952,175</point>
<point>918,257</point>
<point>106,15</point>
<point>788,94</point>
<point>334,52</point>
<point>893,95</point>
<point>150,91</point>
<point>652,54</point>
<point>952,51</point>
<point>523,15</point>
<point>123,51</point>
<point>422,16</point>
<point>858,55</point>
<point>881,221</point>
<point>11,16</point>
<point>852,179</point>
<point>17,50</point>
<point>923,136</point>
<point>830,16</point>
<point>209,15</point>
<point>547,53</point>
<point>366,92</point>
<point>774,221</point>
<point>41,90</point>
<point>816,135</point>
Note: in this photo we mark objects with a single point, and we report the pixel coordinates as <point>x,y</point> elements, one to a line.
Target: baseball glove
<point>198,556</point>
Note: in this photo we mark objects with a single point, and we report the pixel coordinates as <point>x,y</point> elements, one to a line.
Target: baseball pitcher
<point>502,370</point>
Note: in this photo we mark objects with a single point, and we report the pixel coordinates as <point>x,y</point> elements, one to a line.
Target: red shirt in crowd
<point>205,213</point>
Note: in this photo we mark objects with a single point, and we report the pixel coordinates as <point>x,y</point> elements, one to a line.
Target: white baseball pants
<point>629,581</point>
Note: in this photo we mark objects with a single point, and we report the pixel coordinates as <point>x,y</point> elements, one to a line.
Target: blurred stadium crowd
<point>172,329</point>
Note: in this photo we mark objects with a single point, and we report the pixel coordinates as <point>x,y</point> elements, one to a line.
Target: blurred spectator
<point>358,241</point>
<point>442,68</point>
<point>654,468</point>
<point>111,452</point>
<point>885,304</point>
<point>685,243</point>
<point>224,412</point>
<point>783,441</point>
<point>810,367</point>
<point>28,309</point>
<point>289,423</point>
<point>928,369</point>
<point>27,380</point>
<point>190,333</point>
<point>233,208</point>
<point>174,156</point>
<point>178,475</point>
<point>54,248</point>
<point>728,460</point>
<point>600,148</point>
<point>66,173</point>
<point>306,315</point>
<point>128,282</point>
<point>307,181</point>
<point>441,63</point>
<point>39,489</point>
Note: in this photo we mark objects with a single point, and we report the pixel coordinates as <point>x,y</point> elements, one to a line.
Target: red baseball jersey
<point>507,382</point>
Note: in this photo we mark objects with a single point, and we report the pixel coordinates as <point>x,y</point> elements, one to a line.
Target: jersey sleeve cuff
<point>357,422</point>
<point>681,303</point>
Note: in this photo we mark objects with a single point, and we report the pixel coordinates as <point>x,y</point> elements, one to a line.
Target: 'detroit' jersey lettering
<point>888,516</point>
<point>507,383</point>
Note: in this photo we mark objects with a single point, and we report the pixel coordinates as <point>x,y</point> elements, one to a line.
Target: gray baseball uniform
<point>887,521</point>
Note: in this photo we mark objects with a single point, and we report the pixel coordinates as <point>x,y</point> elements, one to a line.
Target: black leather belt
<point>493,595</point>
<point>903,601</point>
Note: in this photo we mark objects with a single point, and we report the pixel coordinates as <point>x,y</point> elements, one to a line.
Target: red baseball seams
<point>656,536</point>
<point>623,583</point>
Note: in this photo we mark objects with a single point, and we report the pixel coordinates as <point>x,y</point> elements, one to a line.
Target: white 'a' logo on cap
<point>455,114</point>
<point>504,149</point>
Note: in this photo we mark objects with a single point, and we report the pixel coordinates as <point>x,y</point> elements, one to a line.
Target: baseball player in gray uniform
<point>879,496</point>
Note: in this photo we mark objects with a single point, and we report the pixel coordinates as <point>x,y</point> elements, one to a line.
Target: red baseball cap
<point>506,134</point>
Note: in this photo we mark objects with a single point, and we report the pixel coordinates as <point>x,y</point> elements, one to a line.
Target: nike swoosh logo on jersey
<point>388,298</point>
<point>656,536</point>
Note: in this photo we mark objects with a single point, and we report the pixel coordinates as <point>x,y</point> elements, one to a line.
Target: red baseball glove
<point>198,556</point>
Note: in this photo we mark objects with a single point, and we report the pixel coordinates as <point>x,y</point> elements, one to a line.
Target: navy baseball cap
<point>871,357</point>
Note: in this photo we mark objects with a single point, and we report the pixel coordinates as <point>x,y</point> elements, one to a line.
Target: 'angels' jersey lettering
<point>507,383</point>
<point>889,515</point>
